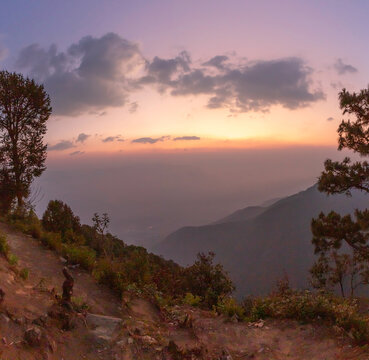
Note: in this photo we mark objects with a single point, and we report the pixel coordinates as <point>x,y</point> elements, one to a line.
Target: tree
<point>59,217</point>
<point>24,110</point>
<point>332,230</point>
<point>348,271</point>
<point>208,280</point>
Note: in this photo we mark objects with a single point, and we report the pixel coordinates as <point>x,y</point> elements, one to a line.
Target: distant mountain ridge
<point>258,245</point>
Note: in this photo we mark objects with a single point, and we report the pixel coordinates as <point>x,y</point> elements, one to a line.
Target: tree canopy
<point>333,230</point>
<point>24,110</point>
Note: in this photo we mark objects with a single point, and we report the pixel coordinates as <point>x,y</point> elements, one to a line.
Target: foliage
<point>306,306</point>
<point>192,300</point>
<point>59,217</point>
<point>4,246</point>
<point>79,305</point>
<point>52,241</point>
<point>24,110</point>
<point>207,280</point>
<point>24,273</point>
<point>13,259</point>
<point>228,306</point>
<point>81,255</point>
<point>333,268</point>
<point>331,230</point>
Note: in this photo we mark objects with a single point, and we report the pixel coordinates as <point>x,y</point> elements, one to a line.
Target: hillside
<point>135,328</point>
<point>258,246</point>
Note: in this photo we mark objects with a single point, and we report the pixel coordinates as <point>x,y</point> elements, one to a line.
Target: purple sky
<point>154,80</point>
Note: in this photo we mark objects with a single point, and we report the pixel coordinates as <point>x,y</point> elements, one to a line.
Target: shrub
<point>108,273</point>
<point>192,300</point>
<point>24,273</point>
<point>305,306</point>
<point>80,255</point>
<point>228,306</point>
<point>79,304</point>
<point>52,241</point>
<point>4,246</point>
<point>35,230</point>
<point>13,259</point>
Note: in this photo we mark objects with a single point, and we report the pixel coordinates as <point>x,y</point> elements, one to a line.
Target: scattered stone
<point>33,336</point>
<point>148,340</point>
<point>63,260</point>
<point>130,340</point>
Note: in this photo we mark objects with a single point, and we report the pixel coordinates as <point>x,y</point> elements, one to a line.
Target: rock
<point>148,340</point>
<point>33,336</point>
<point>103,328</point>
<point>63,260</point>
<point>130,340</point>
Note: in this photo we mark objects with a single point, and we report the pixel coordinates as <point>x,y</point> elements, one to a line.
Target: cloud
<point>149,140</point>
<point>96,73</point>
<point>62,145</point>
<point>343,68</point>
<point>161,71</point>
<point>217,61</point>
<point>90,75</point>
<point>82,138</point>
<point>112,138</point>
<point>330,118</point>
<point>77,153</point>
<point>133,107</point>
<point>242,87</point>
<point>186,138</point>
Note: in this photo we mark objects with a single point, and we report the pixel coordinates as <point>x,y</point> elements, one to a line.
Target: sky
<point>187,80</point>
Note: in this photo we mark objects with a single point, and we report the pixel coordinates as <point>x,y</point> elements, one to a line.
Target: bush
<point>228,306</point>
<point>52,241</point>
<point>81,255</point>
<point>4,246</point>
<point>192,300</point>
<point>13,259</point>
<point>24,273</point>
<point>108,273</point>
<point>305,306</point>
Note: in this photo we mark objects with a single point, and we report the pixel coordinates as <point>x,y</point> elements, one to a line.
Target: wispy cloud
<point>62,145</point>
<point>343,68</point>
<point>74,153</point>
<point>186,138</point>
<point>82,137</point>
<point>112,139</point>
<point>149,140</point>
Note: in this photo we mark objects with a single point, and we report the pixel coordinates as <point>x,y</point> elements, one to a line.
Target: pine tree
<point>332,230</point>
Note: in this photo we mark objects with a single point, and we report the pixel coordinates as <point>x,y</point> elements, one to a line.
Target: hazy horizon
<point>150,195</point>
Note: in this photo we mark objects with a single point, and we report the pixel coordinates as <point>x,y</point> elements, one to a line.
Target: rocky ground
<point>34,326</point>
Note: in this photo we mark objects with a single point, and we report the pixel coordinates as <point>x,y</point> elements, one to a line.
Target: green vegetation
<point>4,246</point>
<point>24,273</point>
<point>124,267</point>
<point>24,111</point>
<point>306,306</point>
<point>13,259</point>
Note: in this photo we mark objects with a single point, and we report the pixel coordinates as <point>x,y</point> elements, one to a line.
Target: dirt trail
<point>46,266</point>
